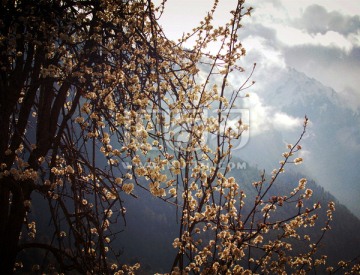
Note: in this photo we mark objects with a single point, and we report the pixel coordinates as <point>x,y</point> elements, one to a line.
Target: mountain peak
<point>295,90</point>
<point>332,141</point>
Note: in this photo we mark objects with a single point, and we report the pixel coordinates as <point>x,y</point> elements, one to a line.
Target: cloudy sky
<point>320,38</point>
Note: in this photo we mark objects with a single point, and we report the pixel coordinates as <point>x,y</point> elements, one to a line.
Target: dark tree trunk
<point>12,218</point>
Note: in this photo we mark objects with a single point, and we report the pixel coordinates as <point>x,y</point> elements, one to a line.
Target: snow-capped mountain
<point>331,147</point>
<point>298,93</point>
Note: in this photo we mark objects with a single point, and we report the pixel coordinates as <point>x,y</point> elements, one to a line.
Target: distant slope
<point>342,241</point>
<point>152,225</point>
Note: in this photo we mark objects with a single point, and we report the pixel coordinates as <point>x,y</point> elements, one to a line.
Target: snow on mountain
<point>299,92</point>
<point>331,145</point>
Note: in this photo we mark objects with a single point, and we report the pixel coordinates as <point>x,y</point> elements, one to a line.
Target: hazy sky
<point>318,37</point>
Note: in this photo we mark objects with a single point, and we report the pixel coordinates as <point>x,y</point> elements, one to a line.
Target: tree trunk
<point>12,218</point>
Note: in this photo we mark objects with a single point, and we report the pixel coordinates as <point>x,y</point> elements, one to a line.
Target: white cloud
<point>284,122</point>
<point>317,19</point>
<point>259,114</point>
<point>290,36</point>
<point>285,9</point>
<point>266,56</point>
<point>308,22</point>
<point>264,118</point>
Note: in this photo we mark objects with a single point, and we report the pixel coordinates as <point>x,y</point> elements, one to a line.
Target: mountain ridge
<point>331,144</point>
